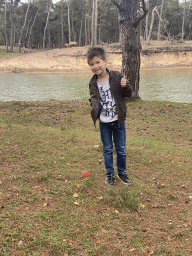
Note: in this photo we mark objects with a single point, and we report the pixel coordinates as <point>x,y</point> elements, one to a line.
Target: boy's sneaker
<point>110,179</point>
<point>123,177</point>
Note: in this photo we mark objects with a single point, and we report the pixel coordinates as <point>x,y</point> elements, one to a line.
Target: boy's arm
<point>94,101</point>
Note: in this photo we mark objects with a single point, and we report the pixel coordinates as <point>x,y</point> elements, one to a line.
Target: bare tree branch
<point>136,23</point>
<point>118,6</point>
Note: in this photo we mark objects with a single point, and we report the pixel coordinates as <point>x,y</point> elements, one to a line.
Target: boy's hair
<point>96,51</point>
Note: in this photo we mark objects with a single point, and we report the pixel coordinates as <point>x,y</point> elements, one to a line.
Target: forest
<point>48,24</point>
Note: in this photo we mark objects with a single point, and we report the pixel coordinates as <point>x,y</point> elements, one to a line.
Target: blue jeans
<point>113,132</point>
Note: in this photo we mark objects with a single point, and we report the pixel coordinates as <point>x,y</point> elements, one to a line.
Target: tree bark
<point>23,26</point>
<point>130,40</point>
<point>80,32</point>
<point>183,24</point>
<point>94,24</point>
<point>72,27</point>
<point>44,36</point>
<point>6,38</point>
<point>11,32</point>
<point>159,27</point>
<point>29,39</point>
<point>86,34</point>
<point>146,22</point>
<point>69,23</point>
<point>151,26</point>
<point>62,26</point>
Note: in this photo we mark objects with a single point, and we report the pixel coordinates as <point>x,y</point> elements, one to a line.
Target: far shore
<point>65,60</point>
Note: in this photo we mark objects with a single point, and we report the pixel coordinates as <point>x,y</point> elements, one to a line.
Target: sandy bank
<point>73,59</point>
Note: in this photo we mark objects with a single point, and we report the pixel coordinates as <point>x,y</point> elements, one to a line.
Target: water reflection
<point>167,84</point>
<point>37,87</point>
<point>162,84</point>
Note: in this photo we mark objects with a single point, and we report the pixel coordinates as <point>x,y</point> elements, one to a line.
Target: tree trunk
<point>27,34</point>
<point>23,26</point>
<point>72,27</point>
<point>29,39</point>
<point>69,23</point>
<point>183,24</point>
<point>94,24</point>
<point>80,32</point>
<point>6,38</point>
<point>160,18</point>
<point>62,27</point>
<point>130,40</point>
<point>146,22</point>
<point>11,20</point>
<point>44,36</point>
<point>151,26</point>
<point>86,36</point>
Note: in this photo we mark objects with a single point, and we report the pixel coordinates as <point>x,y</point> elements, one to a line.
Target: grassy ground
<point>48,208</point>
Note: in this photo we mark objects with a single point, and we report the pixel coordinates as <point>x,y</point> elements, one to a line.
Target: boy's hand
<point>123,81</point>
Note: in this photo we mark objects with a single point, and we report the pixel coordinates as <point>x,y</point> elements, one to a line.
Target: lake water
<point>174,85</point>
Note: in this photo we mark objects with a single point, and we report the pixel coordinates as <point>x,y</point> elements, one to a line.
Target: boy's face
<point>97,65</point>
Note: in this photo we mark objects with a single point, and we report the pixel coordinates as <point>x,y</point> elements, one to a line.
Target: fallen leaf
<point>100,197</point>
<point>20,243</point>
<point>76,203</point>
<point>75,195</point>
<point>116,211</point>
<point>78,185</point>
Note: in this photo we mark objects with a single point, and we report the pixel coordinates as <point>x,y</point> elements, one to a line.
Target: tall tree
<point>69,22</point>
<point>94,23</point>
<point>45,29</point>
<point>130,40</point>
<point>159,27</point>
<point>151,26</point>
<point>6,37</point>
<point>21,35</point>
<point>183,24</point>
<point>11,20</point>
<point>29,39</point>
<point>146,22</point>
<point>62,25</point>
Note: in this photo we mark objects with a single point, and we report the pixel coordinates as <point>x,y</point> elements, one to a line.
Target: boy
<point>107,91</point>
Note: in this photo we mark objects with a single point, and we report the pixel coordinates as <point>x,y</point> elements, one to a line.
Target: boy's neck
<point>103,76</point>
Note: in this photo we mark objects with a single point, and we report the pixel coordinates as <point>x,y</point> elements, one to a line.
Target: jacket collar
<point>94,78</point>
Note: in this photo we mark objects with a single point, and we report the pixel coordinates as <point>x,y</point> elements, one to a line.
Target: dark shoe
<point>110,179</point>
<point>123,177</point>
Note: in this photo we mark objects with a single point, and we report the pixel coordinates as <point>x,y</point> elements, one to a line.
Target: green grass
<point>9,53</point>
<point>48,208</point>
